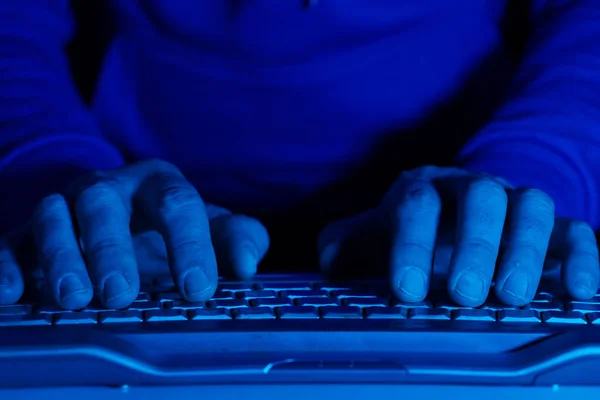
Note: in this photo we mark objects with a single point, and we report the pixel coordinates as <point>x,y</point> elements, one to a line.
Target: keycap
<point>473,314</point>
<point>365,302</point>
<point>593,300</point>
<point>583,307</point>
<point>276,302</point>
<point>15,309</point>
<point>449,305</point>
<point>546,306</point>
<point>294,294</point>
<point>292,312</point>
<point>332,287</point>
<point>25,319</point>
<point>518,315</point>
<point>256,294</point>
<point>222,295</point>
<point>593,317</point>
<point>316,301</point>
<point>497,306</point>
<point>420,304</point>
<point>542,298</point>
<point>564,317</point>
<point>429,313</point>
<point>341,294</point>
<point>253,313</point>
<point>184,305</point>
<point>233,303</point>
<point>165,315</point>
<point>124,316</point>
<point>386,313</point>
<point>239,286</point>
<point>49,309</point>
<point>282,286</point>
<point>76,318</point>
<point>143,297</point>
<point>145,305</point>
<point>331,312</point>
<point>209,313</point>
<point>168,296</point>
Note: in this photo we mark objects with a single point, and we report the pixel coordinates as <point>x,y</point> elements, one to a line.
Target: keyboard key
<point>76,318</point>
<point>593,300</point>
<point>420,304</point>
<point>497,306</point>
<point>450,305</point>
<point>331,312</point>
<point>332,287</point>
<point>542,298</point>
<point>518,315</point>
<point>143,297</point>
<point>564,317</point>
<point>276,302</point>
<point>25,319</point>
<point>184,305</point>
<point>583,307</point>
<point>593,318</point>
<point>342,294</point>
<point>233,303</point>
<point>253,313</point>
<point>239,286</point>
<point>209,313</point>
<point>546,306</point>
<point>124,316</point>
<point>291,312</point>
<point>365,302</point>
<point>168,296</point>
<point>165,315</point>
<point>473,314</point>
<point>316,301</point>
<point>386,313</point>
<point>50,309</point>
<point>257,294</point>
<point>282,286</point>
<point>429,313</point>
<point>295,294</point>
<point>145,305</point>
<point>16,309</point>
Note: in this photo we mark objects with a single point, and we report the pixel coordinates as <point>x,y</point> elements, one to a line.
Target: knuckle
<point>423,194</point>
<point>487,188</point>
<point>113,245</point>
<point>156,164</point>
<point>537,199</point>
<point>178,197</point>
<point>99,195</point>
<point>478,246</point>
<point>52,206</point>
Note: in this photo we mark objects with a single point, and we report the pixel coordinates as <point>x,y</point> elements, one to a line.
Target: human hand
<point>84,242</point>
<point>495,234</point>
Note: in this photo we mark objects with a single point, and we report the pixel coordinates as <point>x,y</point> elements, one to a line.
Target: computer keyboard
<point>313,300</point>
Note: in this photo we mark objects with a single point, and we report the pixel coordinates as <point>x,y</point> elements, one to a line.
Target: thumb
<point>240,242</point>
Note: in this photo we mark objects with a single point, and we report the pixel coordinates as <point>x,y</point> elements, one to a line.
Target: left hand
<point>474,228</point>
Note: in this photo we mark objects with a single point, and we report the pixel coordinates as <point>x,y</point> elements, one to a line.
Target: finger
<point>414,226</point>
<point>11,279</point>
<point>481,214</point>
<point>574,244</point>
<point>240,242</point>
<point>103,218</point>
<point>59,254</point>
<point>529,225</point>
<point>179,214</point>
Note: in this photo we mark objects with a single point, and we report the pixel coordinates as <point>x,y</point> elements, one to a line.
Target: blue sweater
<point>281,108</point>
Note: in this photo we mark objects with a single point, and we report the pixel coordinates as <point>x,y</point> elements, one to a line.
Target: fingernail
<point>69,286</point>
<point>413,283</point>
<point>115,286</point>
<point>195,282</point>
<point>470,285</point>
<point>517,285</point>
<point>585,284</point>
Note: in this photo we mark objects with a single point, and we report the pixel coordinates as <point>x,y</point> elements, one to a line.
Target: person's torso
<point>299,107</point>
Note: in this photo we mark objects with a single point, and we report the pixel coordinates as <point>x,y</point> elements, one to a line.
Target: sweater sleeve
<point>547,134</point>
<point>47,136</point>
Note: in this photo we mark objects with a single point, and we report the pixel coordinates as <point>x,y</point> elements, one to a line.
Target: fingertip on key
<point>411,284</point>
<point>73,293</point>
<point>583,287</point>
<point>469,289</point>
<point>117,291</point>
<point>516,289</point>
<point>10,290</point>
<point>197,286</point>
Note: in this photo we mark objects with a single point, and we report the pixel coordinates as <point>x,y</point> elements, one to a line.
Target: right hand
<point>85,244</point>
